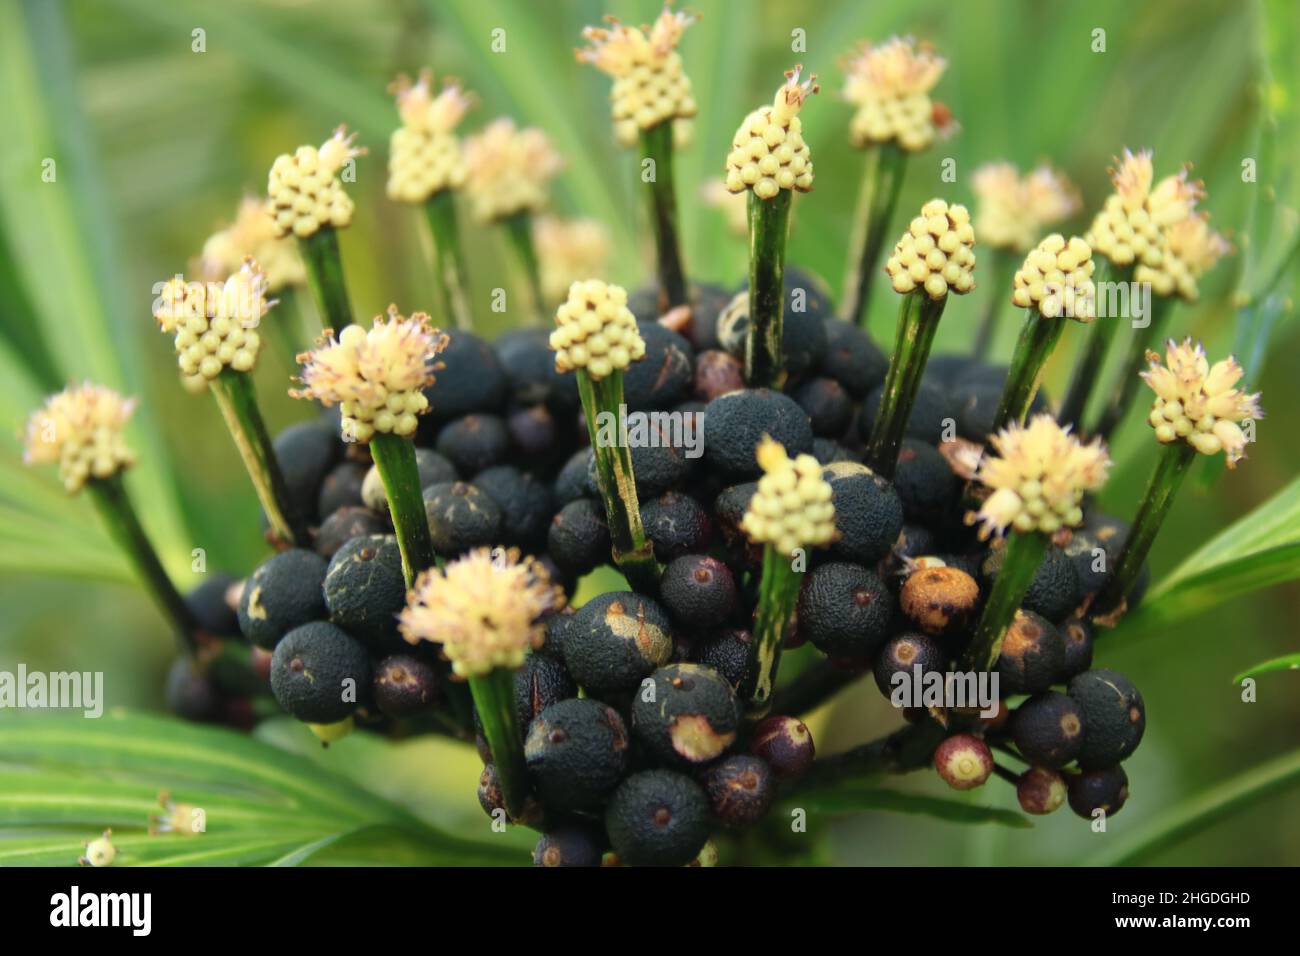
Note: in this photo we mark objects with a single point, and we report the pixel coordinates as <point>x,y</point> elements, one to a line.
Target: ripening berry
<point>963,761</point>
<point>1040,790</point>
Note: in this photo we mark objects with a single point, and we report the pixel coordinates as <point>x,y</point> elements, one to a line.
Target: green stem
<point>395,458</point>
<point>1171,467</point>
<point>519,232</point>
<point>918,317</point>
<point>115,507</point>
<point>494,699</point>
<point>320,254</point>
<point>1129,376</point>
<point>911,748</point>
<point>449,259</point>
<point>237,400</point>
<point>1024,552</point>
<point>769,223</point>
<point>657,145</point>
<point>882,180</point>
<point>1088,368</point>
<point>777,596</point>
<point>1003,269</point>
<point>633,552</point>
<point>1037,339</point>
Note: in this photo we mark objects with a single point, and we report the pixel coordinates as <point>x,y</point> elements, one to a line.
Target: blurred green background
<point>154,145</point>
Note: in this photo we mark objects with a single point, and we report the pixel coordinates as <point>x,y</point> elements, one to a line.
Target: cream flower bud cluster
<point>890,86</point>
<point>253,235</point>
<point>1191,248</point>
<point>215,324</point>
<point>304,188</point>
<point>1131,222</point>
<point>484,610</point>
<point>80,430</point>
<point>375,375</point>
<point>650,86</point>
<point>596,331</point>
<point>768,152</point>
<point>1198,402</point>
<point>1056,278</point>
<point>792,507</point>
<point>424,154</point>
<point>1038,474</point>
<point>567,250</point>
<point>936,253</point>
<point>508,170</point>
<point>1012,210</point>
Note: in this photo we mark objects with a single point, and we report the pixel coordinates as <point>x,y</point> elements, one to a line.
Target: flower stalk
<point>519,236</point>
<point>1024,552</point>
<point>882,181</point>
<point>1129,376</point>
<point>1003,268</point>
<point>791,511</point>
<point>1087,367</point>
<point>394,457</point>
<point>494,701</point>
<point>237,399</point>
<point>918,318</point>
<point>1038,337</point>
<point>769,224</point>
<point>449,259</point>
<point>320,254</point>
<point>657,146</point>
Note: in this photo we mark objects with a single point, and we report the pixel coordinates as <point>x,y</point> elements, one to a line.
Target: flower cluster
<point>1191,249</point>
<point>215,324</point>
<point>508,170</point>
<point>486,611</point>
<point>936,253</point>
<point>1057,279</point>
<point>375,375</point>
<point>80,429</point>
<point>791,509</point>
<point>596,331</point>
<point>768,152</point>
<point>890,87</point>
<point>1038,476</point>
<point>252,235</point>
<point>650,86</point>
<point>1199,402</point>
<point>1129,229</point>
<point>567,250</point>
<point>304,188</point>
<point>424,153</point>
<point>1013,210</point>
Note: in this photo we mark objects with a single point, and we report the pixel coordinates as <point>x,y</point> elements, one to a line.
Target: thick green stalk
<point>1024,552</point>
<point>1129,377</point>
<point>881,181</point>
<point>1003,269</point>
<point>657,145</point>
<point>1037,339</point>
<point>115,507</point>
<point>777,596</point>
<point>449,259</point>
<point>918,317</point>
<point>395,458</point>
<point>769,224</point>
<point>237,400</point>
<point>320,254</point>
<point>494,700</point>
<point>1171,467</point>
<point>1088,366</point>
<point>519,232</point>
<point>633,552</point>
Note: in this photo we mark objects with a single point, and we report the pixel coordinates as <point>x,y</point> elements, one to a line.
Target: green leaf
<point>849,800</point>
<point>1199,813</point>
<point>65,778</point>
<point>1259,550</point>
<point>1288,662</point>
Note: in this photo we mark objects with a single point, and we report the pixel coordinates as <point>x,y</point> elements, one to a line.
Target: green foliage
<point>851,799</point>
